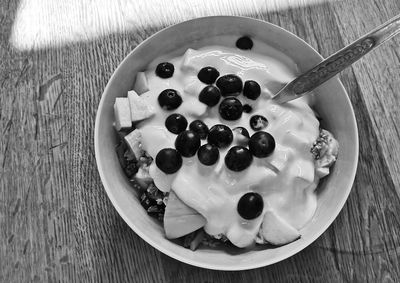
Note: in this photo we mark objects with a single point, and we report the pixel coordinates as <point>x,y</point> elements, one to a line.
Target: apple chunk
<point>140,108</point>
<point>276,230</point>
<point>180,219</point>
<point>141,85</point>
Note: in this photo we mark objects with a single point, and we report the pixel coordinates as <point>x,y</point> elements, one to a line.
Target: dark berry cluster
<point>128,162</point>
<point>261,144</point>
<point>188,141</point>
<point>152,200</point>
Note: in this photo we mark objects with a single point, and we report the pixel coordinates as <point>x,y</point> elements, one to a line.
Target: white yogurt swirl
<point>286,179</point>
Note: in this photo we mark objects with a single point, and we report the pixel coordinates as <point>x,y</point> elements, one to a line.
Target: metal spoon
<point>337,62</point>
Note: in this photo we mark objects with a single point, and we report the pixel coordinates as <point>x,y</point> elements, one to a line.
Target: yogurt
<point>286,179</point>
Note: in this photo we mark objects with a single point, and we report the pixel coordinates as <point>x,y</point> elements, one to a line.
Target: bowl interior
<point>332,104</point>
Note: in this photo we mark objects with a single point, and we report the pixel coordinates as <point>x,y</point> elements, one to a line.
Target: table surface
<point>56,221</point>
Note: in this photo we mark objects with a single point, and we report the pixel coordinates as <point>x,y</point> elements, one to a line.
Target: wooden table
<point>56,222</point>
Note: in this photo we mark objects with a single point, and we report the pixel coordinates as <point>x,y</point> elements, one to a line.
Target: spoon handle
<point>338,61</point>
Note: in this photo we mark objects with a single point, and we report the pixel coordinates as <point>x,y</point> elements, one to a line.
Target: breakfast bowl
<point>330,101</point>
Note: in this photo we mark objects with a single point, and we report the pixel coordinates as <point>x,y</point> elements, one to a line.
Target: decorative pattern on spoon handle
<point>341,59</point>
<point>332,65</point>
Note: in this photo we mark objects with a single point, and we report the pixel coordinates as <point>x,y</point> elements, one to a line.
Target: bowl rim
<point>171,253</point>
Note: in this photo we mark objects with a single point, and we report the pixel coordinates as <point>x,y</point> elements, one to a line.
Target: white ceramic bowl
<point>332,104</point>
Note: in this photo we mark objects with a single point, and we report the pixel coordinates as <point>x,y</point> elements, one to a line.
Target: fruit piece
<point>250,206</point>
<point>146,202</point>
<point>169,160</point>
<point>210,95</point>
<point>325,149</point>
<point>208,75</point>
<point>154,193</point>
<point>197,240</point>
<point>192,107</point>
<point>304,172</point>
<point>140,108</point>
<point>122,113</point>
<point>141,85</point>
<point>142,177</point>
<point>133,140</point>
<point>169,99</point>
<point>130,168</point>
<point>189,62</point>
<point>230,109</point>
<point>193,87</point>
<point>247,108</point>
<point>244,43</point>
<point>187,143</point>
<point>280,159</point>
<point>258,122</point>
<point>241,136</point>
<point>251,90</point>
<point>230,85</point>
<point>240,237</point>
<point>176,123</point>
<point>321,171</point>
<point>261,144</point>
<point>180,219</point>
<point>161,180</point>
<point>165,70</point>
<point>238,158</point>
<point>220,135</point>
<point>295,140</point>
<point>120,150</point>
<point>241,131</point>
<point>276,230</point>
<point>208,154</point>
<point>200,128</point>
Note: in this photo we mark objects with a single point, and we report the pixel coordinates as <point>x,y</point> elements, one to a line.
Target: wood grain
<point>56,222</point>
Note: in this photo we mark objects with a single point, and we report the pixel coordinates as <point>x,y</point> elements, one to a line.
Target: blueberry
<point>244,43</point>
<point>220,135</point>
<point>176,123</point>
<point>230,109</point>
<point>230,85</point>
<point>208,75</point>
<point>251,90</point>
<point>238,158</point>
<point>210,95</point>
<point>258,122</point>
<point>241,131</point>
<point>165,70</point>
<point>200,128</point>
<point>169,99</point>
<point>247,108</point>
<point>250,206</point>
<point>187,143</point>
<point>169,160</point>
<point>208,154</point>
<point>261,144</point>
